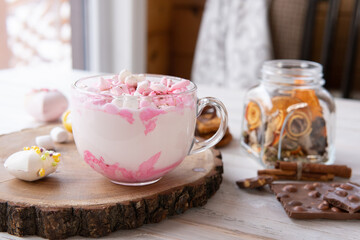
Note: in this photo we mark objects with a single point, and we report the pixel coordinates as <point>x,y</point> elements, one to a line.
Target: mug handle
<point>221,110</point>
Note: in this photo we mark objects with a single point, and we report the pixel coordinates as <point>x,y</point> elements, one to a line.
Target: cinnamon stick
<point>337,170</point>
<point>279,174</point>
<point>276,172</point>
<point>324,177</point>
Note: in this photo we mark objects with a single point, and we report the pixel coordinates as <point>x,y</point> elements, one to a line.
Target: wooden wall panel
<point>181,66</point>
<point>184,30</point>
<point>189,3</point>
<point>158,53</point>
<point>159,16</point>
<point>336,65</point>
<point>173,26</point>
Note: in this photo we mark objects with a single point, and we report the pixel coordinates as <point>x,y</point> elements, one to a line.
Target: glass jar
<point>289,116</point>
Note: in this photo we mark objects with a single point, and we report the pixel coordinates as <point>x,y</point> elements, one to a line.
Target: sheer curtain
<point>233,42</point>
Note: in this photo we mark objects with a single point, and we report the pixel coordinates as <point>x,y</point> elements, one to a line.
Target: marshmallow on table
<point>59,135</point>
<point>45,142</point>
<point>32,164</point>
<point>45,104</point>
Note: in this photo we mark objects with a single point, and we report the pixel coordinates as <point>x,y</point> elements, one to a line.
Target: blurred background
<point>168,37</point>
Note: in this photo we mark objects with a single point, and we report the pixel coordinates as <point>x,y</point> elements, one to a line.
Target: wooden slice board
<point>75,200</point>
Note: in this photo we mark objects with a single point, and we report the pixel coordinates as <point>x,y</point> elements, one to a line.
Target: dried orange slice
<point>296,151</point>
<point>298,124</point>
<point>253,115</point>
<point>276,139</point>
<point>279,107</point>
<point>300,111</point>
<point>309,96</point>
<point>277,119</point>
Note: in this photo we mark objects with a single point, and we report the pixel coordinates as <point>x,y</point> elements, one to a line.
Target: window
<point>37,32</point>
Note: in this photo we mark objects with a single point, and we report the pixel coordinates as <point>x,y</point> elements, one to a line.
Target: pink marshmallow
<point>142,86</point>
<point>152,93</point>
<point>127,84</point>
<point>117,91</point>
<point>144,103</point>
<point>91,89</point>
<point>115,78</point>
<point>170,101</point>
<point>46,105</point>
<point>125,88</point>
<point>157,87</point>
<point>164,81</point>
<point>131,81</point>
<point>177,91</point>
<point>104,84</point>
<point>115,81</point>
<point>132,90</point>
<point>169,83</point>
<point>179,85</point>
<point>146,92</point>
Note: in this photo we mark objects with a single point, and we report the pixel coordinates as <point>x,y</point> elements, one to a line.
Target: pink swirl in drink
<point>133,129</point>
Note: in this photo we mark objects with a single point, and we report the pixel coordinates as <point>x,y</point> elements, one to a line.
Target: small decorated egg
<point>66,121</point>
<point>45,105</point>
<point>32,163</point>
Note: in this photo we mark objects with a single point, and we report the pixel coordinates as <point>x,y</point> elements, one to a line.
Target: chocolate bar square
<point>345,196</point>
<point>305,201</point>
<point>255,182</point>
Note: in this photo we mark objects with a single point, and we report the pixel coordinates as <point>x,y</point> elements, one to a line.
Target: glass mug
<point>135,145</point>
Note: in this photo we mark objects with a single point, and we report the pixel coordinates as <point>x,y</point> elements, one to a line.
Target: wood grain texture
<point>76,200</point>
<point>158,53</point>
<point>172,32</point>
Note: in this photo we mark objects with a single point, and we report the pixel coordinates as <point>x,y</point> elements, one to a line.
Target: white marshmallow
<point>117,102</point>
<point>59,135</point>
<point>45,142</point>
<point>141,77</point>
<point>131,102</point>
<point>123,74</point>
<point>136,93</point>
<point>45,105</point>
<point>26,165</point>
<point>131,81</point>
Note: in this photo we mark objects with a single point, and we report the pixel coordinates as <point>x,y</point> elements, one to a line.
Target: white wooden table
<point>231,213</point>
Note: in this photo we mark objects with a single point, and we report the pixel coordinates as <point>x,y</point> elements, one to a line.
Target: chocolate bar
<point>305,201</point>
<point>255,182</point>
<point>345,196</point>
